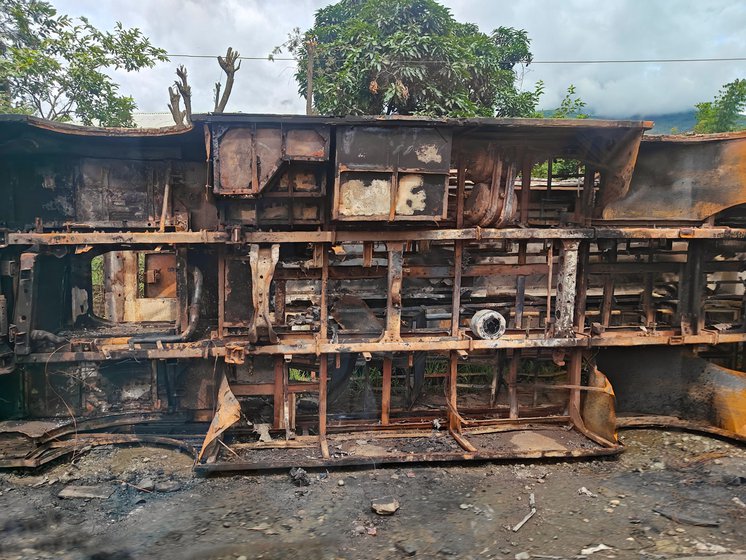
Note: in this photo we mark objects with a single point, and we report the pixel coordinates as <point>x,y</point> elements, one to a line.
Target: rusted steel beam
<point>386,391</point>
<point>392,332</point>
<point>513,367</point>
<point>323,392</point>
<point>280,394</point>
<point>118,238</point>
<point>628,337</point>
<point>354,272</point>
<point>458,250</point>
<point>608,296</point>
<point>566,285</point>
<point>342,236</point>
<point>253,389</point>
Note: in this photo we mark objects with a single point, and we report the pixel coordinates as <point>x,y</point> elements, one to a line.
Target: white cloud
<point>571,30</point>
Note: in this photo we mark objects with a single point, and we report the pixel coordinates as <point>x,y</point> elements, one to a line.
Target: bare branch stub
<point>186,92</point>
<point>229,66</point>
<point>174,106</point>
<point>216,96</point>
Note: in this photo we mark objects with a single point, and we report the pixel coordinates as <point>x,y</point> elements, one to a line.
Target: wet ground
<point>669,495</point>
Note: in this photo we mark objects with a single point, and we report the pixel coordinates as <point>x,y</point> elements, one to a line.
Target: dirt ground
<point>669,495</point>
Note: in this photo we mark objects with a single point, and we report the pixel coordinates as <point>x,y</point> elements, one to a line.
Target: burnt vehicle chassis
<point>307,291</point>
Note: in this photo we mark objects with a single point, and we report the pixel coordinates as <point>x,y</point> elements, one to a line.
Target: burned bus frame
<point>308,291</point>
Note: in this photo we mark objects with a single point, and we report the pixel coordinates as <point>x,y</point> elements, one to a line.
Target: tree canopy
<point>410,57</point>
<point>724,113</point>
<point>56,66</point>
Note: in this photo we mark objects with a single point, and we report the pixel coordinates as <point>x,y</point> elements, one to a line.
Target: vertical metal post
<point>573,378</point>
<point>323,375</point>
<point>386,391</point>
<point>393,300</point>
<point>280,388</point>
<point>515,362</point>
<point>566,286</point>
<point>454,423</point>
<point>608,294</point>
<point>324,311</point>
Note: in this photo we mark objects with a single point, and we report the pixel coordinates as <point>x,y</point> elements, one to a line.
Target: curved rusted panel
<point>684,179</point>
<point>675,383</point>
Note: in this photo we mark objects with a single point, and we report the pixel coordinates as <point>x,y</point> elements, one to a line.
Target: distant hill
<point>664,123</point>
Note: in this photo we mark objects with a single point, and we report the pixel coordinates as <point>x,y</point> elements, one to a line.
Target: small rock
<point>340,482</point>
<point>242,557</point>
<point>167,486</point>
<point>614,503</point>
<point>359,530</point>
<point>407,548</point>
<point>522,556</point>
<point>464,506</point>
<point>385,506</point>
<point>226,524</point>
<point>146,484</point>
<point>371,531</point>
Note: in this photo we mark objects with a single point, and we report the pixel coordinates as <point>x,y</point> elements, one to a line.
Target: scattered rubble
<point>300,477</point>
<point>593,549</point>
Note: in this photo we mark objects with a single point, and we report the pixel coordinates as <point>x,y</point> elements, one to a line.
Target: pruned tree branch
<point>186,92</point>
<point>229,66</point>
<point>176,112</point>
<point>216,96</point>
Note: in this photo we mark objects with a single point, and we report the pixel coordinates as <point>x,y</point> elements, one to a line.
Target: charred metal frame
<point>307,248</point>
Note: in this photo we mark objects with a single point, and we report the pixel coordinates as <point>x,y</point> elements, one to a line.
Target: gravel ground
<point>669,495</point>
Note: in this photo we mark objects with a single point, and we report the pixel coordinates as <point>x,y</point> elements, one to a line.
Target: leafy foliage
<point>410,57</point>
<point>571,106</point>
<point>55,66</point>
<point>723,114</point>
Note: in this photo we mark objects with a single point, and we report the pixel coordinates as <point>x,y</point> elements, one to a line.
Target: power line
<point>607,61</point>
<point>642,60</point>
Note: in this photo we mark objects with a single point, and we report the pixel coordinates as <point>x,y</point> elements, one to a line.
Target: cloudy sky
<point>567,30</point>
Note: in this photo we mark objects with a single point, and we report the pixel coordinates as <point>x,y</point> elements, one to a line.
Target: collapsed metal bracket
<point>262,261</point>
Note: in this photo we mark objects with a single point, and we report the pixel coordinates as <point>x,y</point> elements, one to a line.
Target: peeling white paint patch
<point>361,199</point>
<point>428,153</point>
<point>79,299</point>
<point>408,198</point>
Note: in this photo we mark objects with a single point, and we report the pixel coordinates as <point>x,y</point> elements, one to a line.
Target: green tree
<point>724,113</point>
<point>56,66</point>
<point>571,106</point>
<point>410,57</point>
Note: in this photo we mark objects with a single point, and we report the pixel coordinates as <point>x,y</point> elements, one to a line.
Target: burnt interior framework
<point>363,290</point>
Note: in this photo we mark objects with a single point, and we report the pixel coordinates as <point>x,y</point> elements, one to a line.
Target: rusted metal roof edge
<point>694,138</point>
<point>399,120</point>
<point>80,130</point>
